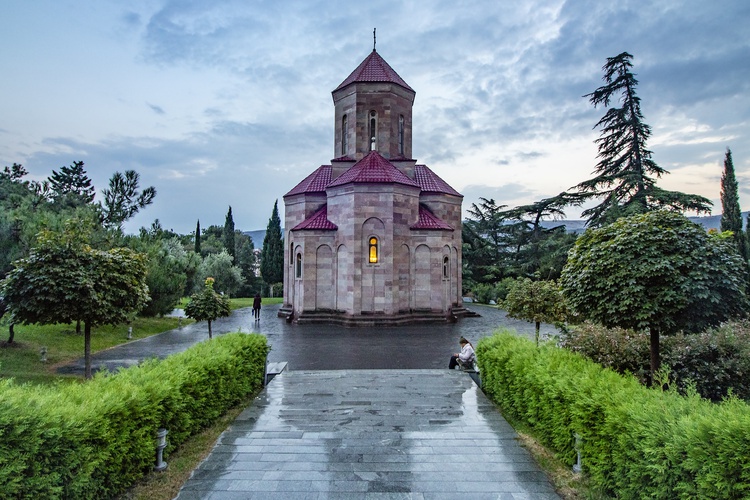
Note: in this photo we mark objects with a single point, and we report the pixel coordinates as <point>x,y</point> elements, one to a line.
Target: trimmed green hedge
<point>637,442</point>
<point>94,440</point>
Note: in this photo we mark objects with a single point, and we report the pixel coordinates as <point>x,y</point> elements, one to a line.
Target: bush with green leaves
<point>95,440</point>
<point>717,361</point>
<point>635,442</point>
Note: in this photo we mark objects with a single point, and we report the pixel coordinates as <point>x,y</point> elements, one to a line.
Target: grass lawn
<point>238,303</point>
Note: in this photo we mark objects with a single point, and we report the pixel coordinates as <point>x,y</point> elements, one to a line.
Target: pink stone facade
<point>373,237</point>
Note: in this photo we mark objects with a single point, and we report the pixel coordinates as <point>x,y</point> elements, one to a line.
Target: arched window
<point>446,267</point>
<point>344,136</point>
<point>298,266</point>
<point>401,134</point>
<point>373,129</point>
<point>373,250</point>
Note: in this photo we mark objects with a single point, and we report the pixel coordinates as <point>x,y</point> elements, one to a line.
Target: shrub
<point>716,361</point>
<point>636,442</point>
<point>94,440</point>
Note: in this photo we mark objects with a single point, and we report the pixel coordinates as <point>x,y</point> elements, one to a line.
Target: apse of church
<point>373,237</point>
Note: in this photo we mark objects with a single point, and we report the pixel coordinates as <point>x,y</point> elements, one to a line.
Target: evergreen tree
<point>71,187</point>
<point>228,236</point>
<point>731,215</point>
<point>122,200</point>
<point>198,237</point>
<point>626,174</point>
<point>272,254</point>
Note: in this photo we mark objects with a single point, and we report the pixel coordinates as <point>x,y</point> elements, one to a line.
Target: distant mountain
<point>573,226</point>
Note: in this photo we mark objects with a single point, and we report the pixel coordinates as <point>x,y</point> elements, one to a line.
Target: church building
<point>374,237</point>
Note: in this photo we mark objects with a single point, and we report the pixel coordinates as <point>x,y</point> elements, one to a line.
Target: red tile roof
<point>374,69</point>
<point>431,183</point>
<point>373,169</point>
<point>428,220</point>
<point>318,220</point>
<point>316,182</point>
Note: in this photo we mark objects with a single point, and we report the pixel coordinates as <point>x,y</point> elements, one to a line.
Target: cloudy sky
<point>229,102</point>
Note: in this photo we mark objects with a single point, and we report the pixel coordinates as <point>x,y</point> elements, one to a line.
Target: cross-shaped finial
<point>374,40</point>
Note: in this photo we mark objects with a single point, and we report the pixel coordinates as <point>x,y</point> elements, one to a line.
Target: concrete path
<point>350,434</point>
<point>323,347</point>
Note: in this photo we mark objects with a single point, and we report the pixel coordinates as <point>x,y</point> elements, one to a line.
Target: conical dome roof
<point>374,69</point>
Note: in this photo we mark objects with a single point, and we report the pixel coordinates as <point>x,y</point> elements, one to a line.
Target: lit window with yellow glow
<point>373,250</point>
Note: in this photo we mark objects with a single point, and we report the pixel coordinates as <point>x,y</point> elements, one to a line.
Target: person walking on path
<point>463,359</point>
<point>256,307</point>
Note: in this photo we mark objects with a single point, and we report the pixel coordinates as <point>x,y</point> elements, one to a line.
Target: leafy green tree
<point>64,280</point>
<point>535,301</point>
<point>731,215</point>
<point>272,254</point>
<point>122,200</point>
<point>212,240</point>
<point>166,276</point>
<point>485,234</point>
<point>658,272</point>
<point>207,305</point>
<point>71,186</point>
<point>626,174</point>
<point>219,266</point>
<point>228,234</point>
<point>198,238</point>
<point>245,260</point>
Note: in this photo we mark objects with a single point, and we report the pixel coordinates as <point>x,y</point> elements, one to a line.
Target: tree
<point>228,236</point>
<point>207,305</point>
<point>71,187</point>
<point>166,276</point>
<point>122,200</point>
<point>656,271</point>
<point>626,174</point>
<point>219,266</point>
<point>535,301</point>
<point>272,254</point>
<point>198,237</point>
<point>64,280</point>
<point>245,260</point>
<point>485,235</point>
<point>731,215</point>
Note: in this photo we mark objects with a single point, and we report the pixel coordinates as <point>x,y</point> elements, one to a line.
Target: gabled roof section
<point>318,220</point>
<point>373,169</point>
<point>374,69</point>
<point>316,182</point>
<point>428,220</point>
<point>431,183</point>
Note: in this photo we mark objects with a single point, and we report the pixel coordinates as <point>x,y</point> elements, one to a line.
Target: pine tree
<point>198,237</point>
<point>71,186</point>
<point>228,235</point>
<point>272,254</point>
<point>626,174</point>
<point>731,215</point>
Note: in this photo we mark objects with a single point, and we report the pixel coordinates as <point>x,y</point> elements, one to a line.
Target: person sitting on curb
<point>465,358</point>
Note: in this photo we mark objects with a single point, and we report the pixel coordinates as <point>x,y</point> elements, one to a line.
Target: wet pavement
<point>324,347</point>
<point>351,434</point>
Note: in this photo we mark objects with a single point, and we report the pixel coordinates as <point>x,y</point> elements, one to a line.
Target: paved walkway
<point>323,347</point>
<point>350,434</point>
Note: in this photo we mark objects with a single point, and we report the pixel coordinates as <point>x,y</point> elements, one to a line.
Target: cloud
<point>156,109</point>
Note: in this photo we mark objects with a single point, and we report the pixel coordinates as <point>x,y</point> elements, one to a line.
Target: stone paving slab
<point>380,434</point>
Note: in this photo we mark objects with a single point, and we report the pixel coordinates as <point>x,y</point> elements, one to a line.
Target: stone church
<point>374,237</point>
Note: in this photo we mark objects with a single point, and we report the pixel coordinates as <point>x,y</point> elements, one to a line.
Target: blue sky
<point>229,102</point>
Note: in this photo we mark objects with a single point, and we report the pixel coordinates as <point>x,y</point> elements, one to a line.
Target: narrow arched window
<point>446,267</point>
<point>298,266</point>
<point>373,129</point>
<point>373,250</point>
<point>344,136</point>
<point>401,134</point>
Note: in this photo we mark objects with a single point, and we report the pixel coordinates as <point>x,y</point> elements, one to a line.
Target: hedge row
<point>94,440</point>
<point>636,442</point>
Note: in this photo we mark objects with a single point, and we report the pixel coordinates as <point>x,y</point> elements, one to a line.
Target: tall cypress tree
<point>731,215</point>
<point>272,254</point>
<point>228,235</point>
<point>198,237</point>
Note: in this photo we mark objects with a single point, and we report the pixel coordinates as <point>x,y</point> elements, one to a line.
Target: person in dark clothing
<point>256,307</point>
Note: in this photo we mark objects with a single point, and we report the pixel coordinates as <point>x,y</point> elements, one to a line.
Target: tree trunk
<point>538,324</point>
<point>11,333</point>
<point>87,349</point>
<point>209,330</point>
<point>78,327</point>
<point>655,359</point>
